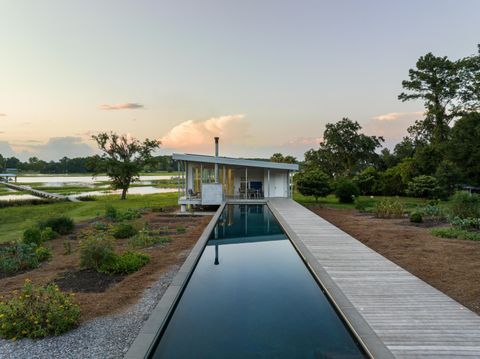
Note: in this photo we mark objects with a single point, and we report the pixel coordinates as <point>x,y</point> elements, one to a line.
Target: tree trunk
<point>124,193</point>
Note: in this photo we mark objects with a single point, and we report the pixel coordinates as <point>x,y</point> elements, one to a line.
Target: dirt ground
<point>121,292</point>
<point>450,265</point>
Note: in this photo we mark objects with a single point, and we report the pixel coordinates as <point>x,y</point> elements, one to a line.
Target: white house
<point>210,180</point>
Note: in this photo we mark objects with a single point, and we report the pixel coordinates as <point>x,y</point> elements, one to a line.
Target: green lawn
<point>14,220</point>
<point>332,201</point>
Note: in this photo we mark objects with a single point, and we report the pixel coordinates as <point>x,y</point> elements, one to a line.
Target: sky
<point>264,75</point>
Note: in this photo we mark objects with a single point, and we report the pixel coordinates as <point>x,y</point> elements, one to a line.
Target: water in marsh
<point>62,180</point>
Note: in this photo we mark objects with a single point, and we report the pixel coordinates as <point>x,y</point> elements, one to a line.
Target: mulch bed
<point>450,265</point>
<point>86,281</point>
<point>98,295</point>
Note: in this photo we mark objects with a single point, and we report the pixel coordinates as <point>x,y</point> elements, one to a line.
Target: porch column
<point>186,179</point>
<point>246,182</point>
<point>268,182</point>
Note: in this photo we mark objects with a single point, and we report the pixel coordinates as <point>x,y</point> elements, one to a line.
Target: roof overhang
<point>235,161</point>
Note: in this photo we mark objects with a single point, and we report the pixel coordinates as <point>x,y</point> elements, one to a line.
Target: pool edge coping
<point>366,336</point>
<point>143,343</point>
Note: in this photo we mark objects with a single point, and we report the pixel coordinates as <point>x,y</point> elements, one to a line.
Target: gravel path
<point>104,337</point>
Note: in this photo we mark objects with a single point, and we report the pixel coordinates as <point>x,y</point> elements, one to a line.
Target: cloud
<point>303,142</point>
<point>198,135</point>
<point>392,126</point>
<point>393,116</point>
<point>2,114</point>
<point>121,106</point>
<point>6,150</point>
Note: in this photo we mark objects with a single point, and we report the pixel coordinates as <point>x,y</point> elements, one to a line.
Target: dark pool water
<point>251,296</point>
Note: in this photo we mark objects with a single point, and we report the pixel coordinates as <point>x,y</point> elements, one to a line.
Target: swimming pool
<point>251,295</point>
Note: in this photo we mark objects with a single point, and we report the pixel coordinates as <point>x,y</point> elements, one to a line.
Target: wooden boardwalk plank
<point>412,319</point>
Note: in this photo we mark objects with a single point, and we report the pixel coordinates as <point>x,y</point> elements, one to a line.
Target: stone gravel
<point>104,337</point>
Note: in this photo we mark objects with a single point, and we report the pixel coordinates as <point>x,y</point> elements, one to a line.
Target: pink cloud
<point>3,114</point>
<point>121,106</point>
<point>393,116</point>
<point>198,135</point>
<point>304,142</point>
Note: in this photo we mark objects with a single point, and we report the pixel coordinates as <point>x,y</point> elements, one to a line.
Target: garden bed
<point>103,294</point>
<point>450,265</point>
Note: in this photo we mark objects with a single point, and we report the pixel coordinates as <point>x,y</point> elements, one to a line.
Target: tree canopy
<point>123,158</point>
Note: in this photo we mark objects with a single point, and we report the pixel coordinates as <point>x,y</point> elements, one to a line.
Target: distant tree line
<point>76,165</point>
<point>440,153</point>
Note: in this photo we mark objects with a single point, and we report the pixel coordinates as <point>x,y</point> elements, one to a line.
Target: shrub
<point>144,239</point>
<point>124,230</point>
<point>434,211</point>
<point>181,229</point>
<point>21,256</point>
<point>61,225</point>
<point>129,214</point>
<point>126,263</point>
<point>314,183</point>
<point>99,226</point>
<point>424,187</point>
<point>48,233</point>
<point>87,198</point>
<point>43,254</point>
<point>389,208</point>
<point>111,213</point>
<point>456,233</point>
<point>96,252</point>
<point>32,235</point>
<point>416,217</point>
<point>38,311</point>
<point>346,191</point>
<point>465,223</point>
<point>465,205</point>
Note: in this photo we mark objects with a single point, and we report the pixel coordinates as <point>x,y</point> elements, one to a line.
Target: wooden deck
<point>411,318</point>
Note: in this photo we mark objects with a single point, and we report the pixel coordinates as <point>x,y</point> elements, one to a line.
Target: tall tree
<point>123,158</point>
<point>436,81</point>
<point>469,72</point>
<point>344,150</point>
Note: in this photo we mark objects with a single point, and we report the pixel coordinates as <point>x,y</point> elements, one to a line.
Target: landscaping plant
<point>96,252</point>
<point>416,217</point>
<point>126,263</point>
<point>61,225</point>
<point>20,256</point>
<point>37,311</point>
<point>389,208</point>
<point>124,230</point>
<point>346,191</point>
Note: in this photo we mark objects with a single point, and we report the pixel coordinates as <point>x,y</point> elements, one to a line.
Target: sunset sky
<point>265,76</point>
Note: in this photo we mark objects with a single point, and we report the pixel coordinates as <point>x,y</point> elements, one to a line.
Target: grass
<point>331,201</point>
<point>452,232</point>
<point>14,220</point>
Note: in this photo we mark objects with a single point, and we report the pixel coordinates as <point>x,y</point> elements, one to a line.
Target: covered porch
<point>210,180</point>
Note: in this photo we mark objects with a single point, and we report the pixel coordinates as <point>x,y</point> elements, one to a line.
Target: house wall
<point>278,183</point>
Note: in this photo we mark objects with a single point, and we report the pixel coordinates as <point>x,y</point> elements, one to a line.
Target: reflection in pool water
<point>251,295</point>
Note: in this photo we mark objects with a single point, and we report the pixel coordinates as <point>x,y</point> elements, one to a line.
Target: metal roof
<point>234,161</point>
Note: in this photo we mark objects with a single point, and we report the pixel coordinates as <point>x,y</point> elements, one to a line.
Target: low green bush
<point>465,205</point>
<point>145,239</point>
<point>126,263</point>
<point>124,230</point>
<point>346,191</point>
<point>111,213</point>
<point>48,234</point>
<point>457,233</point>
<point>96,252</point>
<point>416,217</point>
<point>32,235</point>
<point>465,223</point>
<point>360,204</point>
<point>43,253</point>
<point>38,311</point>
<point>21,256</point>
<point>389,208</point>
<point>99,226</point>
<point>129,214</point>
<point>61,225</point>
<point>181,229</point>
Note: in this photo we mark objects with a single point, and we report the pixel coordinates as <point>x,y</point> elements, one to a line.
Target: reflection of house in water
<point>209,180</point>
<point>245,223</point>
